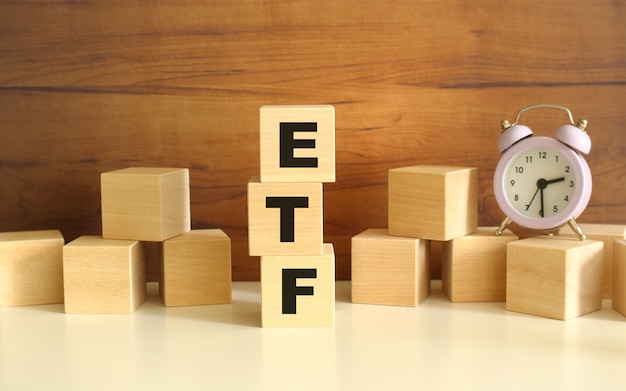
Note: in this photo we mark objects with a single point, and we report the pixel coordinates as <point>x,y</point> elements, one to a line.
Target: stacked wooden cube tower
<point>285,216</point>
<point>107,274</point>
<point>391,266</point>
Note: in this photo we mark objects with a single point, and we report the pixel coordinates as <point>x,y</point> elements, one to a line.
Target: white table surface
<point>437,345</point>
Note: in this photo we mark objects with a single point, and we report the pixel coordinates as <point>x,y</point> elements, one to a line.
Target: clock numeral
<point>567,169</point>
<point>542,155</point>
<point>571,183</point>
<point>566,199</point>
<point>555,209</point>
<point>516,198</point>
<point>529,159</point>
<point>557,158</point>
<point>512,183</point>
<point>519,169</point>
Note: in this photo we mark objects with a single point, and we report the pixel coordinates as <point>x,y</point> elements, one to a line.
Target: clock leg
<point>576,228</point>
<point>503,226</point>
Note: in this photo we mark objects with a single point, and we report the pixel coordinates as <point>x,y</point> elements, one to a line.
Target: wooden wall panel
<point>87,87</point>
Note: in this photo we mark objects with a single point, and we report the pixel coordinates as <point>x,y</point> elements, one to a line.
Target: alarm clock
<point>542,182</point>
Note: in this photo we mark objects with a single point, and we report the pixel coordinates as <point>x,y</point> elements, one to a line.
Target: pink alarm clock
<point>541,182</point>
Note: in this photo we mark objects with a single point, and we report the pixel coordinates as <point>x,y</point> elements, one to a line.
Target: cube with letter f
<point>298,290</point>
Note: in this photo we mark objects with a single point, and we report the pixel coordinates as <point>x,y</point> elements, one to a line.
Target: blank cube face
<point>103,276</point>
<point>474,266</point>
<point>554,278</point>
<point>389,270</point>
<point>31,268</point>
<point>298,291</point>
<point>606,233</point>
<point>285,218</point>
<point>433,202</point>
<point>297,143</point>
<point>197,269</point>
<point>149,204</point>
<point>619,277</point>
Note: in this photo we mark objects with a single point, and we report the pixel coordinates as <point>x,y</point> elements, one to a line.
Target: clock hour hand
<point>546,183</point>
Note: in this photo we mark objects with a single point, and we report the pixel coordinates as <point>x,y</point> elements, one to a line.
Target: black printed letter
<point>291,290</point>
<point>287,207</point>
<point>288,144</point>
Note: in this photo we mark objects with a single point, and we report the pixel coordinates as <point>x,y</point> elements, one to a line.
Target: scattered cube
<point>298,290</point>
<point>103,276</point>
<point>31,268</point>
<point>285,218</point>
<point>148,204</point>
<point>559,278</point>
<point>197,268</point>
<point>619,277</point>
<point>474,266</point>
<point>433,202</point>
<point>297,143</point>
<point>606,233</point>
<point>389,270</point>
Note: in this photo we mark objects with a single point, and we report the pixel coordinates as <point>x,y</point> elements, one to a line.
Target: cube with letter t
<point>285,218</point>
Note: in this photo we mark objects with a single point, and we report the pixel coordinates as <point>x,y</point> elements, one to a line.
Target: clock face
<point>539,182</point>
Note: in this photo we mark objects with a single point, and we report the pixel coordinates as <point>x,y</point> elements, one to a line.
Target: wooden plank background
<point>88,87</point>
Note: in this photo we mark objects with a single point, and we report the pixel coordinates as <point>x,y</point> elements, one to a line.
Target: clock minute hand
<point>532,199</point>
<point>541,195</point>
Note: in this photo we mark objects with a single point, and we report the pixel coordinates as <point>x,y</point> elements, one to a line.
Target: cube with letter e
<point>297,143</point>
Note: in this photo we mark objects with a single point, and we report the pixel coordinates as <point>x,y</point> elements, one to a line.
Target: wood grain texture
<point>473,267</point>
<point>31,268</point>
<point>103,276</point>
<point>607,234</point>
<point>389,270</point>
<point>89,87</point>
<point>433,202</point>
<point>197,269</point>
<point>559,278</point>
<point>145,203</point>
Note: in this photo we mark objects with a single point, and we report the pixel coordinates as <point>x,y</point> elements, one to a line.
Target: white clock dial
<point>539,182</point>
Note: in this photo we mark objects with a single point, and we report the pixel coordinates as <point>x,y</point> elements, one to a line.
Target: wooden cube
<point>389,270</point>
<point>297,143</point>
<point>31,268</point>
<point>433,202</point>
<point>103,276</point>
<point>285,218</point>
<point>197,268</point>
<point>298,290</point>
<point>559,278</point>
<point>149,204</point>
<point>474,266</point>
<point>619,277</point>
<point>607,233</point>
